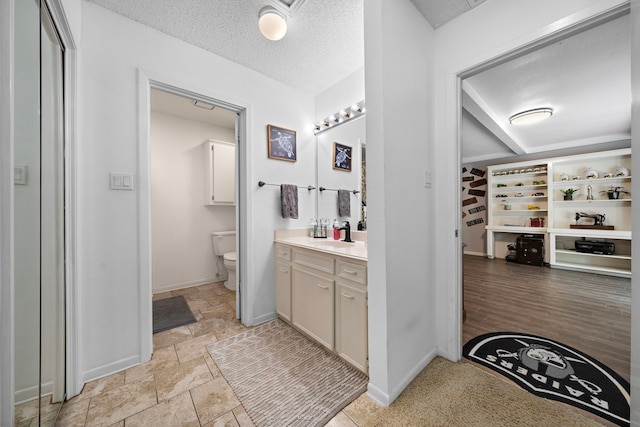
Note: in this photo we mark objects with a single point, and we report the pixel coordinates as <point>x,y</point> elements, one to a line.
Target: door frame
<point>147,81</point>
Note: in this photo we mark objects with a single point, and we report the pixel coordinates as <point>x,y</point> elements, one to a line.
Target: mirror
<point>39,350</point>
<point>340,167</point>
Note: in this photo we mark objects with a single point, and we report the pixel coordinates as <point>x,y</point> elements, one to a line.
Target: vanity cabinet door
<point>283,290</point>
<point>351,324</point>
<point>312,305</point>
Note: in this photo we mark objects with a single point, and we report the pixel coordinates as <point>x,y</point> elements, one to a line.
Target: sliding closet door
<point>38,217</point>
<point>27,209</point>
<point>52,211</point>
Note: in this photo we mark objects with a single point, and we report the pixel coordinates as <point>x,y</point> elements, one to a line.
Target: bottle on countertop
<point>313,225</point>
<point>336,230</point>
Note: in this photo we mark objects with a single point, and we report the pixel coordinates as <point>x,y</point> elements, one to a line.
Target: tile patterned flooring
<point>180,385</point>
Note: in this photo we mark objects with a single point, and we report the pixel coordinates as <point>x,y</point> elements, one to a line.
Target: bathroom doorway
<point>177,223</point>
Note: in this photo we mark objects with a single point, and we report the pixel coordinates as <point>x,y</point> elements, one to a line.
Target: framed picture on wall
<point>342,157</point>
<point>282,143</point>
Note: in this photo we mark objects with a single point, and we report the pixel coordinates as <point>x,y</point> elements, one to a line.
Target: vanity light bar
<point>341,117</point>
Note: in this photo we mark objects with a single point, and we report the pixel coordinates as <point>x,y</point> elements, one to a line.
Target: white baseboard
<point>262,319</point>
<point>386,399</point>
<point>111,368</point>
<point>475,253</point>
<point>26,394</point>
<point>175,286</point>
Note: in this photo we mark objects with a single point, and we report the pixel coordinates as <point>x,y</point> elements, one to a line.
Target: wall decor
<point>475,171</point>
<point>467,178</point>
<point>282,143</point>
<point>477,209</point>
<point>478,183</point>
<point>341,157</point>
<point>475,222</point>
<point>470,201</point>
<point>480,193</point>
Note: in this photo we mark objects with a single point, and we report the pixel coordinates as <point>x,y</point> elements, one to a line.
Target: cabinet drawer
<point>354,272</point>
<point>314,259</point>
<point>283,252</point>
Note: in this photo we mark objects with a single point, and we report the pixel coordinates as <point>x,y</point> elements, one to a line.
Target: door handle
<point>348,296</point>
<point>323,286</point>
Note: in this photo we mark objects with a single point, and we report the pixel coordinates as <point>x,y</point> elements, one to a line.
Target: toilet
<point>224,245</point>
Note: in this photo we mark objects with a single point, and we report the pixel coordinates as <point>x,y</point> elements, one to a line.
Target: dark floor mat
<point>170,313</point>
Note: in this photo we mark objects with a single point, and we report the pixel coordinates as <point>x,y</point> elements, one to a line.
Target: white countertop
<point>356,250</point>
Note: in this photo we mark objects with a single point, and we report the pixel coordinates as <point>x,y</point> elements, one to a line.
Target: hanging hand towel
<point>289,200</point>
<point>344,203</point>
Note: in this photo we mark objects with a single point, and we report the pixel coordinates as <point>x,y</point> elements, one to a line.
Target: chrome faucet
<point>347,232</point>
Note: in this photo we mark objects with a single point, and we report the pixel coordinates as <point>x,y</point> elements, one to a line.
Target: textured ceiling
<point>324,41</point>
<point>585,78</point>
<point>439,12</point>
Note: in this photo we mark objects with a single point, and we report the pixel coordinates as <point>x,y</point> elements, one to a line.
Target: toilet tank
<point>223,242</point>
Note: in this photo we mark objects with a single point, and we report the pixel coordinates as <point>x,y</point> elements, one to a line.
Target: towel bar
<point>262,184</point>
<point>333,189</point>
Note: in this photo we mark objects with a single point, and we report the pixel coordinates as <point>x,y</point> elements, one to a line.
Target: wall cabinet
<point>325,297</point>
<point>528,197</point>
<point>219,173</point>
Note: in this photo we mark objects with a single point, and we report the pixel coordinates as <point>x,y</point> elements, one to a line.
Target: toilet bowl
<point>230,265</point>
<point>224,245</point>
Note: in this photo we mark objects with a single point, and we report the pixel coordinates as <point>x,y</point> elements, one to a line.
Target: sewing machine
<point>598,219</point>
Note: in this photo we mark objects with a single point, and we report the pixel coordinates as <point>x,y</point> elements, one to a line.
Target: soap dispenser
<point>336,230</point>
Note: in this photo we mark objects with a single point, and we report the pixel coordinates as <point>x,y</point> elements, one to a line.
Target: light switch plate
<point>20,174</point>
<point>427,179</point>
<point>120,181</point>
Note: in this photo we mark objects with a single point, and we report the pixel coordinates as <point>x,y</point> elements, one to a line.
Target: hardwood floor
<point>589,312</point>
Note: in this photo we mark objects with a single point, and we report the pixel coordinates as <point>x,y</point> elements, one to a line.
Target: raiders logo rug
<point>556,371</point>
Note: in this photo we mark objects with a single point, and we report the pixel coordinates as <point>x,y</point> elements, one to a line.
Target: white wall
<point>460,46</point>
<point>181,224</point>
<point>343,94</point>
<point>398,70</point>
<point>109,262</point>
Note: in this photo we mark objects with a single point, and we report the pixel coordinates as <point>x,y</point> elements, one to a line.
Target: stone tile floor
<point>179,386</point>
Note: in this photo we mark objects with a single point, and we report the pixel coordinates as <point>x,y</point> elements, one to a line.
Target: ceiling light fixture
<point>345,115</point>
<point>530,116</point>
<point>272,24</point>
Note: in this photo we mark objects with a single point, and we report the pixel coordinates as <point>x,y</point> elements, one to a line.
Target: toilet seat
<point>230,257</point>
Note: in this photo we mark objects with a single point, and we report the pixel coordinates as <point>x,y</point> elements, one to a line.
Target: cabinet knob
<point>348,296</point>
<point>323,286</point>
<point>349,271</point>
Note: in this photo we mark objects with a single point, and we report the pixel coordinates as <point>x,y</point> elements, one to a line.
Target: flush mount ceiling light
<point>530,116</point>
<point>272,24</point>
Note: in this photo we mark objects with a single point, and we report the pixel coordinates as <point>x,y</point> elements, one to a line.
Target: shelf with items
<point>565,254</point>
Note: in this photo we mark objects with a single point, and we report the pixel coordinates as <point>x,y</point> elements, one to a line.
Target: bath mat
<point>555,371</point>
<point>170,313</point>
<point>282,378</point>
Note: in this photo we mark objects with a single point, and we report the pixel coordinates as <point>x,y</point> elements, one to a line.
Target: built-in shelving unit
<point>517,189</point>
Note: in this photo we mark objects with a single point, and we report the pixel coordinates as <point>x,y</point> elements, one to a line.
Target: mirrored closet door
<point>39,278</point>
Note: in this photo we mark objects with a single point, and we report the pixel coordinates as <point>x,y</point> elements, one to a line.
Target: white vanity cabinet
<point>351,313</point>
<point>283,282</point>
<point>219,173</point>
<point>325,297</point>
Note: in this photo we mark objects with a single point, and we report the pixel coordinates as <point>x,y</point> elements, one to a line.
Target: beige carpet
<point>282,378</point>
<point>461,394</point>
